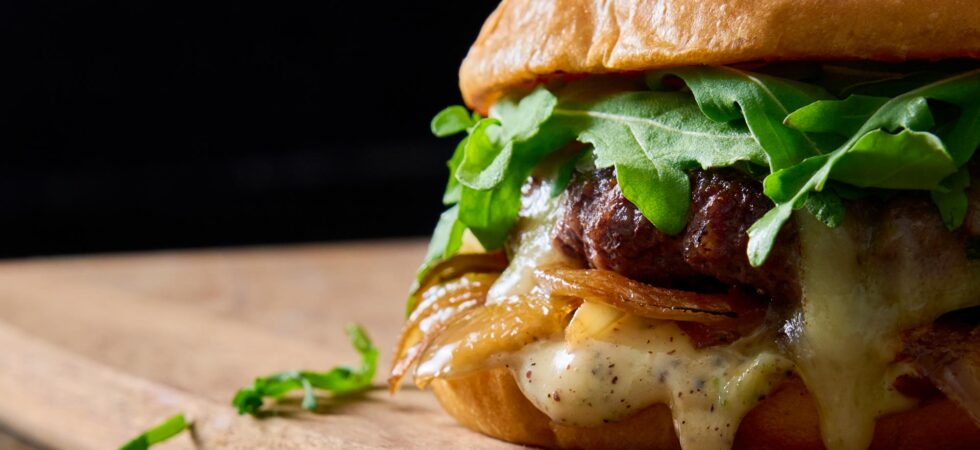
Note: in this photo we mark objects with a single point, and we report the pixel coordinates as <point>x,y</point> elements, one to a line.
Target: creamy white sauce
<point>653,362</point>
<point>861,288</point>
<point>637,363</point>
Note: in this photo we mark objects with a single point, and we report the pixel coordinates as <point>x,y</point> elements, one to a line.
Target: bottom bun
<point>491,403</point>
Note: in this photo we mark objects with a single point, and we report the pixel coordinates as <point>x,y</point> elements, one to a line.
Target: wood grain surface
<point>93,350</point>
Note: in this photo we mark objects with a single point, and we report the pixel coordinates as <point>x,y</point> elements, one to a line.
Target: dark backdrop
<point>149,124</point>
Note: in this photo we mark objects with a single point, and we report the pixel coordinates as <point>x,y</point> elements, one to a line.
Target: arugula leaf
<point>789,191</point>
<point>564,173</point>
<point>963,137</point>
<point>453,188</point>
<point>447,237</point>
<point>452,120</point>
<point>841,117</point>
<point>953,202</point>
<point>492,141</point>
<point>905,114</point>
<point>490,214</point>
<point>484,161</point>
<point>446,240</point>
<point>166,430</point>
<point>652,138</point>
<point>726,94</point>
<point>895,138</point>
<point>847,117</point>
<point>827,207</point>
<point>494,169</point>
<point>662,192</point>
<point>663,126</point>
<point>907,160</point>
<point>339,380</point>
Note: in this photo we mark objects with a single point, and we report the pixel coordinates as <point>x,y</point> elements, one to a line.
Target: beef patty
<point>604,230</point>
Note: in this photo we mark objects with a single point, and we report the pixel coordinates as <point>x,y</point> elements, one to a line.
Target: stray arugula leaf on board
<point>166,430</point>
<point>340,380</point>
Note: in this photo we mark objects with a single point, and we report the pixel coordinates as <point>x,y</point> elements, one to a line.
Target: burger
<point>710,224</point>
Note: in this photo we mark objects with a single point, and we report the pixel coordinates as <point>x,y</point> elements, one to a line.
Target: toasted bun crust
<point>491,403</point>
<point>526,40</point>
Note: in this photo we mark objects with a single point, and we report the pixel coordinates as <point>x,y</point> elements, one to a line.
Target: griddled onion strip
<point>441,304</point>
<point>498,328</point>
<point>457,266</point>
<point>452,317</point>
<point>634,297</point>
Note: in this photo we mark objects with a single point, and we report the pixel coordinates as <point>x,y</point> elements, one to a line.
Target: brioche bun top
<point>524,41</point>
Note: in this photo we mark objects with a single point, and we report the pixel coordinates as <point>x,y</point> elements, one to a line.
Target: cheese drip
<point>862,285</point>
<point>708,390</point>
<point>637,363</point>
<point>571,381</point>
<point>532,244</point>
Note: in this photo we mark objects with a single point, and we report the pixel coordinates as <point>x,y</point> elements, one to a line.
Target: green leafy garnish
<point>340,380</point>
<point>652,138</point>
<point>453,120</point>
<point>840,117</point>
<point>446,240</point>
<point>891,149</point>
<point>827,207</point>
<point>166,430</point>
<point>488,169</point>
<point>726,94</point>
<point>891,131</point>
<point>564,173</point>
<point>952,201</point>
<point>500,154</point>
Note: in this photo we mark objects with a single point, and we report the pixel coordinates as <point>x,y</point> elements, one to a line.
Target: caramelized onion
<point>440,305</point>
<point>948,354</point>
<point>455,267</point>
<point>469,343</point>
<point>634,297</point>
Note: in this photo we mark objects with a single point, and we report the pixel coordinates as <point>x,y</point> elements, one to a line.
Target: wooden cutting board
<point>93,350</point>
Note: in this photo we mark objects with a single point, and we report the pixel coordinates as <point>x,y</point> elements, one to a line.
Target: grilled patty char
<point>604,230</point>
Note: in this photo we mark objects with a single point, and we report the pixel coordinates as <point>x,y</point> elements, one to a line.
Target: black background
<point>135,124</point>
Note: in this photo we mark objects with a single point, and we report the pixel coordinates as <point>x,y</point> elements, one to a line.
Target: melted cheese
<point>638,363</point>
<point>610,365</point>
<point>532,245</point>
<point>857,299</point>
<point>859,292</point>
